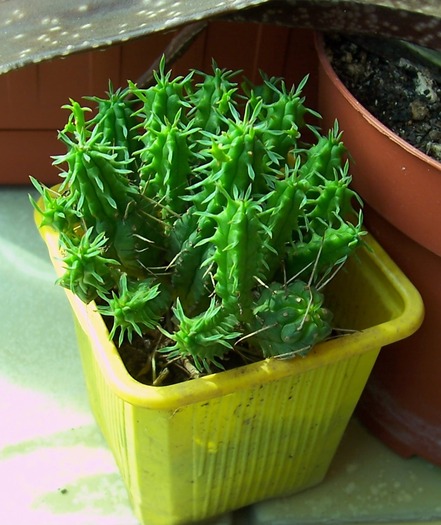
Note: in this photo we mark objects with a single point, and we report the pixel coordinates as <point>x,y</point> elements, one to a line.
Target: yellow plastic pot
<point>204,447</point>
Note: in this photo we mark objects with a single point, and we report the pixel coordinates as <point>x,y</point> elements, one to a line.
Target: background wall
<point>31,98</point>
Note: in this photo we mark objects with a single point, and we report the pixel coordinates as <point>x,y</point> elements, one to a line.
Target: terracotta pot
<point>402,190</point>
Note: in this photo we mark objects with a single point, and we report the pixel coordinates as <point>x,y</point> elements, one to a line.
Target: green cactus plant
<point>195,210</point>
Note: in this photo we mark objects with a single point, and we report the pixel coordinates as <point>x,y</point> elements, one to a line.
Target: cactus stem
<point>209,273</point>
<point>314,268</point>
<point>159,380</point>
<point>305,317</point>
<point>159,204</point>
<point>159,270</point>
<point>150,216</point>
<point>172,263</point>
<point>261,282</point>
<point>296,276</point>
<point>126,212</point>
<point>138,236</point>
<point>251,334</point>
<point>290,355</point>
<point>192,370</point>
<point>149,269</point>
<point>323,282</point>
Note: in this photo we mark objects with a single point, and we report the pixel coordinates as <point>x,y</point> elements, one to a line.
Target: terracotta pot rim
<point>403,185</point>
<point>325,63</point>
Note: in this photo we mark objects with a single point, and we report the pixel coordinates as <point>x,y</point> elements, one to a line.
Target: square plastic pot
<point>204,447</point>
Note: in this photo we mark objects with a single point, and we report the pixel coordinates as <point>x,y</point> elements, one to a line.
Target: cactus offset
<point>89,272</point>
<point>289,319</point>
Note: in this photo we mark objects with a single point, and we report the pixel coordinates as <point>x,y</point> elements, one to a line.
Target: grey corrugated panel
<point>44,29</point>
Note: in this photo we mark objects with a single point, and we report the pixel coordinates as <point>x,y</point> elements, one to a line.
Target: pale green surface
<point>49,442</point>
<point>55,468</point>
<point>366,484</point>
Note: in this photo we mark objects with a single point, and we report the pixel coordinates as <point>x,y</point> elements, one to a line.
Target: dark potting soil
<point>153,368</point>
<point>145,363</point>
<point>401,92</point>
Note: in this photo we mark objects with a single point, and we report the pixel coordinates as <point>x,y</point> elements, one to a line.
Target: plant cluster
<point>193,208</point>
